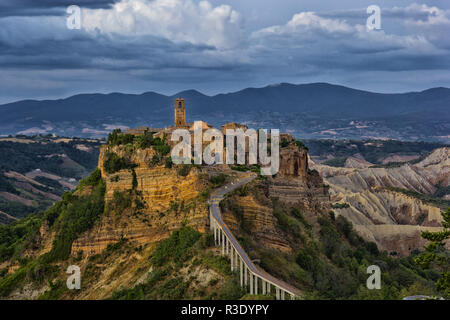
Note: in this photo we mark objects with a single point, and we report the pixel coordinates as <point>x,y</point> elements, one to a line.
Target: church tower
<point>180,113</point>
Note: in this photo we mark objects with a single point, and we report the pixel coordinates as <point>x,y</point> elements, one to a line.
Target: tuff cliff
<point>295,182</point>
<point>249,214</point>
<point>252,210</point>
<point>161,201</point>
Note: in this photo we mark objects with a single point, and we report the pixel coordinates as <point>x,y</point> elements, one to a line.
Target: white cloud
<point>307,21</point>
<point>175,20</point>
<point>310,38</point>
<point>434,25</point>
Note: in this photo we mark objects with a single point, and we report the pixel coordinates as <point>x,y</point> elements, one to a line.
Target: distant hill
<point>36,171</point>
<point>317,110</point>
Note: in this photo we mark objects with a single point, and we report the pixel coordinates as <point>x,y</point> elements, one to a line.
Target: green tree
<point>135,182</point>
<point>436,256</point>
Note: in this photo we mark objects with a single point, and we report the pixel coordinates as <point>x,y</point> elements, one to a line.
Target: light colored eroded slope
<point>391,219</point>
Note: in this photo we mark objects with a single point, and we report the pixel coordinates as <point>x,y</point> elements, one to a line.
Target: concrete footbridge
<point>252,278</point>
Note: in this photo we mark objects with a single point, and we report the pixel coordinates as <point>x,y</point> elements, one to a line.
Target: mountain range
<point>316,110</point>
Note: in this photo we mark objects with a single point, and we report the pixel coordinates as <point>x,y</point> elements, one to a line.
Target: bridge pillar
<point>210,220</point>
<point>241,271</point>
<point>232,258</point>
<point>245,276</point>
<point>251,283</point>
<point>223,242</point>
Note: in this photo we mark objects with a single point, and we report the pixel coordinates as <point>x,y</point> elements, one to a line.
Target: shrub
<point>117,138</point>
<point>168,163</point>
<point>218,180</point>
<point>145,140</point>
<point>340,205</point>
<point>134,179</point>
<point>336,162</point>
<point>296,212</point>
<point>300,144</point>
<point>17,235</point>
<point>175,248</point>
<point>114,163</point>
<point>218,263</point>
<point>78,214</point>
<point>56,289</point>
<point>94,178</point>
<point>11,281</point>
<point>344,226</point>
<point>184,170</point>
<point>120,201</point>
<point>162,150</point>
<point>288,224</point>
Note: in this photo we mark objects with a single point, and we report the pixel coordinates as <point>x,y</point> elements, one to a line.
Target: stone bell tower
<point>180,113</point>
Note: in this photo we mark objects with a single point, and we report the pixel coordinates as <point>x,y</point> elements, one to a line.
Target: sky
<point>219,46</point>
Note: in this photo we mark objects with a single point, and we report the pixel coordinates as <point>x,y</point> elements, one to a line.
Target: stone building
<point>180,113</point>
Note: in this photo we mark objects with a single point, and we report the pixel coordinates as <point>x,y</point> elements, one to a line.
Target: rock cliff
<point>295,183</point>
<point>160,203</point>
<point>260,220</point>
<point>293,186</point>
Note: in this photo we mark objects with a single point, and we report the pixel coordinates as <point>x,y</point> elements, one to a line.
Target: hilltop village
<point>180,123</point>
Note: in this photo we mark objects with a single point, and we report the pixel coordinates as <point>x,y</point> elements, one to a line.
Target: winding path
<point>250,275</point>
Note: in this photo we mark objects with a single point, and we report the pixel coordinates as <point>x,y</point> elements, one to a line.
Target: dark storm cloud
<point>102,52</point>
<point>46,7</point>
<point>390,13</point>
<point>136,49</point>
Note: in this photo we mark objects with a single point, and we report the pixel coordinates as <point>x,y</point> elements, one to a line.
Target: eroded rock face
<point>260,220</point>
<point>295,183</point>
<point>392,220</point>
<point>168,199</point>
<point>293,162</point>
<point>395,239</point>
<point>421,177</point>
